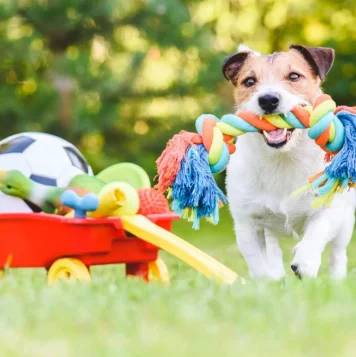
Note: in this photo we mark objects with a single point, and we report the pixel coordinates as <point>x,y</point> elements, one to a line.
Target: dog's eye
<point>249,82</point>
<point>294,76</point>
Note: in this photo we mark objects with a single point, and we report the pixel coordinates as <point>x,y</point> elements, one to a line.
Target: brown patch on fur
<point>275,68</point>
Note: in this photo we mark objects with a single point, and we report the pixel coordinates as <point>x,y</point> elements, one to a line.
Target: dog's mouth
<point>277,138</point>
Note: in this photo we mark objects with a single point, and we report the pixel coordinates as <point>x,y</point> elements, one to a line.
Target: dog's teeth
<point>267,135</point>
<point>285,132</point>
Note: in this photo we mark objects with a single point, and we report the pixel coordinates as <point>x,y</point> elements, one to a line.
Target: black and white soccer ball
<point>44,158</point>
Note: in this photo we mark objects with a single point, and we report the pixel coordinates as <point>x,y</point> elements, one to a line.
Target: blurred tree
<point>118,78</point>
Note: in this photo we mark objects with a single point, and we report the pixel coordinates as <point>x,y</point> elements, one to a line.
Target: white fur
<point>260,180</point>
<point>287,100</point>
<point>244,48</point>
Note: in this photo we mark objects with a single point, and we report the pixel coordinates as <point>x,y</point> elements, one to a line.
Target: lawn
<point>113,316</point>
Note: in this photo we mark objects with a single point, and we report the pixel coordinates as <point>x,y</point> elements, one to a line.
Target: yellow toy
<point>115,199</point>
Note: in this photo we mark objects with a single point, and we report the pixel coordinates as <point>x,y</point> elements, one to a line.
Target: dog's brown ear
<point>320,59</point>
<point>232,65</point>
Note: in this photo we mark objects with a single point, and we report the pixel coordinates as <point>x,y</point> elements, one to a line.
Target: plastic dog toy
<point>186,165</point>
<point>115,199</point>
<point>14,183</point>
<point>80,205</point>
<point>112,197</point>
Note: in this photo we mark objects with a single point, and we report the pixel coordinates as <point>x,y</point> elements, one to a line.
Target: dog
<point>267,167</point>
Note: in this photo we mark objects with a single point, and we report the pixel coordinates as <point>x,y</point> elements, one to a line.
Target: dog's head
<point>276,83</point>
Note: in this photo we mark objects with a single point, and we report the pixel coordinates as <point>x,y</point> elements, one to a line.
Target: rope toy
<point>186,165</point>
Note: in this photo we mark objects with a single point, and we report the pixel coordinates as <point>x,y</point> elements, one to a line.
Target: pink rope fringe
<point>168,164</point>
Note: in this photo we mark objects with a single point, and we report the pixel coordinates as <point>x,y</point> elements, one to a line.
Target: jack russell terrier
<point>266,168</point>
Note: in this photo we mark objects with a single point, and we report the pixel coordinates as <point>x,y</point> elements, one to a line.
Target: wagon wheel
<point>67,269</point>
<point>157,270</point>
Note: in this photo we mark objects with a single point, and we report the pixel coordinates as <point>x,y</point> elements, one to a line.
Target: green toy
<point>14,183</point>
<point>86,182</point>
<point>127,172</point>
<point>115,199</point>
<point>116,187</point>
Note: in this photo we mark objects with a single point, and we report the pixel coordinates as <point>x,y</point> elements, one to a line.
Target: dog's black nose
<point>268,102</point>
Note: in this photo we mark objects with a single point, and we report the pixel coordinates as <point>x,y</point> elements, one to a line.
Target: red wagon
<point>68,247</point>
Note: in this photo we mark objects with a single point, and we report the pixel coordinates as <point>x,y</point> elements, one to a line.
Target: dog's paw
<point>268,275</point>
<point>306,261</point>
<point>277,275</point>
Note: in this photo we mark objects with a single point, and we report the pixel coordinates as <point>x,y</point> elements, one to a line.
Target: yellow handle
<point>143,228</point>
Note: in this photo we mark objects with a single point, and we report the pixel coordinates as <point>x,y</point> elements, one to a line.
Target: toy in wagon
<point>55,214</point>
<point>45,159</point>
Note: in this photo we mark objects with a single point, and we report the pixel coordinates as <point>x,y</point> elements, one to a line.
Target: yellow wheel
<point>67,269</point>
<point>158,270</point>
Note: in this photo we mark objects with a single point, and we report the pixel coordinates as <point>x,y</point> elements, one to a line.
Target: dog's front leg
<point>252,244</point>
<point>307,253</point>
<point>274,255</point>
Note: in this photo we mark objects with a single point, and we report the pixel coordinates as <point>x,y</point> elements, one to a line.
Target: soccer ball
<point>44,158</point>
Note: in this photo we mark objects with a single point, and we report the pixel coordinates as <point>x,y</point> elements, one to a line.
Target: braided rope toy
<point>186,165</point>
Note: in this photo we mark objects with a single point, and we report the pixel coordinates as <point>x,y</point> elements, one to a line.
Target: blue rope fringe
<point>343,165</point>
<point>196,188</point>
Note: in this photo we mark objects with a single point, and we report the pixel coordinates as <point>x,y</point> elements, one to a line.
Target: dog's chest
<point>281,213</point>
<point>261,189</point>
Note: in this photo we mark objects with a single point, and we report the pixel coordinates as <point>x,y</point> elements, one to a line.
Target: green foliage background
<point>118,78</point>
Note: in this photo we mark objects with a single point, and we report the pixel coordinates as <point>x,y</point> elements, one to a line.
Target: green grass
<point>114,316</point>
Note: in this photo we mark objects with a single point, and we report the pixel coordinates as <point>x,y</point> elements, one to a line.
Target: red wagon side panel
<point>37,240</point>
<point>122,251</point>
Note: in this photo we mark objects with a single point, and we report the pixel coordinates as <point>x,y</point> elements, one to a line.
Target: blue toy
<point>80,205</point>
